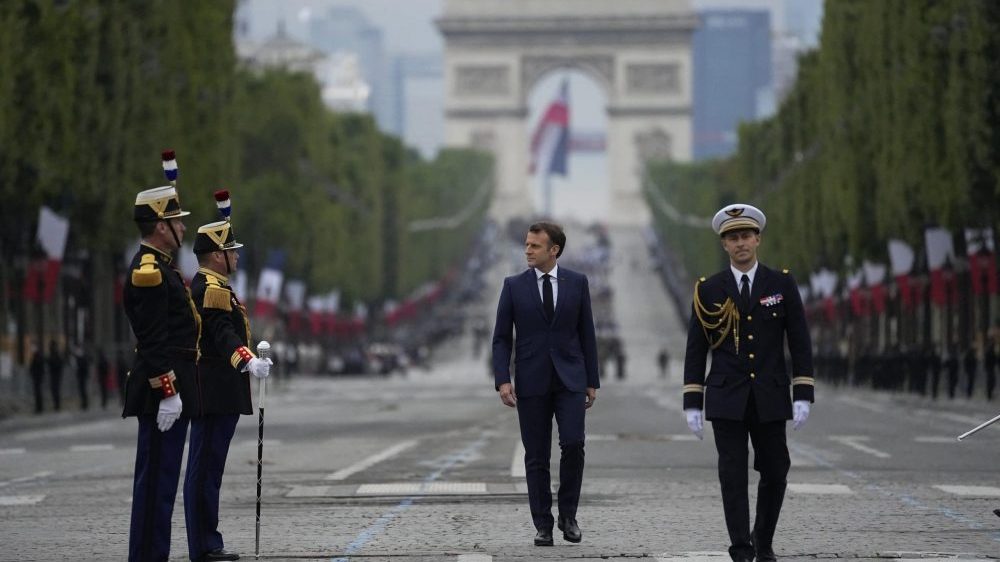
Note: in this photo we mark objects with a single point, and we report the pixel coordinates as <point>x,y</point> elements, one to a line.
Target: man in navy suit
<point>744,315</point>
<point>555,372</point>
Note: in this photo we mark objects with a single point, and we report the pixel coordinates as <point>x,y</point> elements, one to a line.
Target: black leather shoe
<point>543,537</point>
<point>571,531</point>
<point>220,554</point>
<point>764,554</point>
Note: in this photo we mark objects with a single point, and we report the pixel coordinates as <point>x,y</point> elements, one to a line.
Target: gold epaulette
<point>722,320</point>
<point>216,296</point>
<point>148,273</point>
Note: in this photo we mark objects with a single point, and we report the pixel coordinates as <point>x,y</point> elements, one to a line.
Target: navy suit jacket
<point>566,345</point>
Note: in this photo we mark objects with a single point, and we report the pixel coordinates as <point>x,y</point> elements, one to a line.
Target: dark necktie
<point>745,292</point>
<point>547,301</point>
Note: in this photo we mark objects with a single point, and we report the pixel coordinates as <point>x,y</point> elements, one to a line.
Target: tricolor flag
<point>269,284</point>
<point>550,143</point>
<point>982,260</point>
<point>901,258</point>
<point>42,275</point>
<point>940,254</point>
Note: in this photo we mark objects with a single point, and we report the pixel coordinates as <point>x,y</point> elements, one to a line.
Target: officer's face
<point>178,227</point>
<point>741,245</point>
<point>540,251</point>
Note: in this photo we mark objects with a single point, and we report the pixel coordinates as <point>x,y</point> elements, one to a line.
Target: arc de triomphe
<point>637,51</point>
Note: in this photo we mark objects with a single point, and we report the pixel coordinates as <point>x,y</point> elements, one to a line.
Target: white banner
<point>940,247</point>
<point>52,232</point>
<point>901,257</point>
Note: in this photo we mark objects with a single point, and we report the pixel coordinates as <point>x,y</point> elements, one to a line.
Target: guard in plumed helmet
<point>161,389</point>
<point>225,367</point>
<point>743,315</point>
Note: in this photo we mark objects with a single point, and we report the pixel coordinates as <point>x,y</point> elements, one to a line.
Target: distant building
<point>732,77</point>
<point>281,51</point>
<point>418,107</point>
<point>346,30</point>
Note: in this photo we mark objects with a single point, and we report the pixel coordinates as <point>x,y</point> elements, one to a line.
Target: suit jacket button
<point>749,318</point>
<point>750,337</point>
<point>751,356</point>
<point>753,376</point>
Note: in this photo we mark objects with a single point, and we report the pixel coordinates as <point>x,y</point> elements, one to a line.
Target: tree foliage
<point>893,125</point>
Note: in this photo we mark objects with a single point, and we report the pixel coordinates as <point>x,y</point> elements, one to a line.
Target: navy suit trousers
<point>210,439</point>
<point>157,470</point>
<point>534,413</point>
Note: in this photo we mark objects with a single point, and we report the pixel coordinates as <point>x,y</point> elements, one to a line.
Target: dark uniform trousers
<point>210,439</point>
<point>534,413</point>
<point>157,470</point>
<point>770,460</point>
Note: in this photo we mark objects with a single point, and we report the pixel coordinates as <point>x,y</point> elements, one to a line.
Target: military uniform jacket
<point>166,326</point>
<point>225,388</point>
<point>748,347</point>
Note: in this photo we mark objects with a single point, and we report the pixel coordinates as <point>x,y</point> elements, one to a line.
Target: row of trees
<point>892,125</point>
<point>92,90</point>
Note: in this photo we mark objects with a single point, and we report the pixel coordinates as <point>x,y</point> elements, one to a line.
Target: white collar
<point>738,275</point>
<point>554,273</point>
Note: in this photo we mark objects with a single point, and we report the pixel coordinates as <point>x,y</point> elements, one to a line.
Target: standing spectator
<point>55,374</point>
<point>121,373</point>
<point>104,377</point>
<point>951,366</point>
<point>662,359</point>
<point>990,363</point>
<point>971,364</point>
<point>37,369</point>
<point>82,373</point>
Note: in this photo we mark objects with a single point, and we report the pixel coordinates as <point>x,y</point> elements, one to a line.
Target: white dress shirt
<point>555,284</point>
<point>738,275</point>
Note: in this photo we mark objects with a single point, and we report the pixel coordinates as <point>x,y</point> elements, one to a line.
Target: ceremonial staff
<point>979,427</point>
<point>263,350</point>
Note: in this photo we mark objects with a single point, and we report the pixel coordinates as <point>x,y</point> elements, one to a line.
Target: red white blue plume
<point>170,166</point>
<point>222,201</point>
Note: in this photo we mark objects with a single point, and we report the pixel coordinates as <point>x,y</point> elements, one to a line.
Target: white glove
<point>800,413</point>
<point>695,421</point>
<point>170,410</point>
<point>258,367</point>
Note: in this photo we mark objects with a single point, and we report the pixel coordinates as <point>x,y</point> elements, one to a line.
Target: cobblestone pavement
<point>426,467</point>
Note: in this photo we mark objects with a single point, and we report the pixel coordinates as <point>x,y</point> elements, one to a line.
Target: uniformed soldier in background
<point>224,374</point>
<point>161,389</point>
<point>743,315</point>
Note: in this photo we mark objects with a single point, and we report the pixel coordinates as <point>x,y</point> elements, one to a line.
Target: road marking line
<point>824,489</point>
<point>20,500</point>
<point>91,448</point>
<point>709,556</point>
<point>421,488</point>
<point>23,479</point>
<point>366,463</point>
<point>13,451</point>
<point>308,491</point>
<point>852,442</point>
<point>475,558</point>
<point>517,462</point>
<point>975,491</point>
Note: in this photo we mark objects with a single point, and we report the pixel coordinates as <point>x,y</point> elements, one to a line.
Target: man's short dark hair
<point>555,232</point>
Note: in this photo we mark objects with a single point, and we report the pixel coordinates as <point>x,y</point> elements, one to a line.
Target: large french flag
<point>550,143</point>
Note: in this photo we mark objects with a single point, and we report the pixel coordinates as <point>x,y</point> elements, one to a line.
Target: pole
<point>548,195</point>
<point>263,350</point>
<point>979,427</point>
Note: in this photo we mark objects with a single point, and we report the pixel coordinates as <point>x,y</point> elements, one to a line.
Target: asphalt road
<point>427,466</point>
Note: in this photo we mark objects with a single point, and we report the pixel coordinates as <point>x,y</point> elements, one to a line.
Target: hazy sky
<point>407,25</point>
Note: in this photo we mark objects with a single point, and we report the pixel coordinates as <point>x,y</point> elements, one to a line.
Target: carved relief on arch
<point>599,67</point>
<point>653,144</point>
<point>482,80</point>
